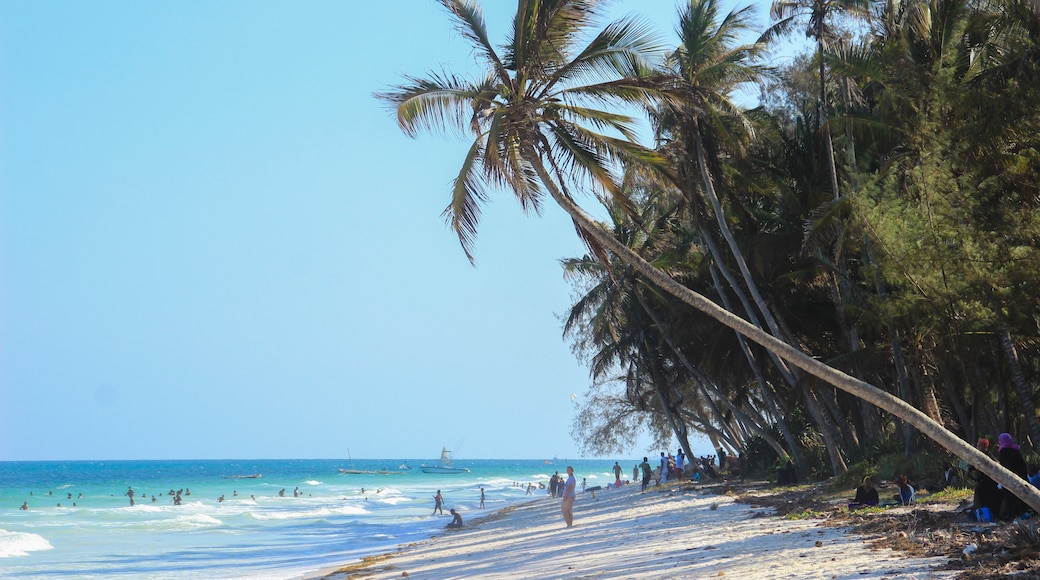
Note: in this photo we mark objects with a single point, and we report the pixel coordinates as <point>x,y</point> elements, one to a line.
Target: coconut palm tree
<point>536,132</point>
<point>698,120</point>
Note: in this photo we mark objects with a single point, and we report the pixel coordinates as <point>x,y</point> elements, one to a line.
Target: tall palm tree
<point>818,15</point>
<point>699,119</point>
<point>533,131</point>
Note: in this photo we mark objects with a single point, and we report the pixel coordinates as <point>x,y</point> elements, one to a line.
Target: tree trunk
<point>602,236</point>
<point>1018,378</point>
<point>704,385</point>
<point>827,430</point>
<point>764,388</point>
<point>898,361</point>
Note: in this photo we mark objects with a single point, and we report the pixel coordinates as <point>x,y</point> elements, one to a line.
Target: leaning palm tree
<point>536,132</point>
<point>698,120</point>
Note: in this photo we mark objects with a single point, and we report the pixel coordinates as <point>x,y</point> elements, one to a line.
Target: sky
<point>215,243</point>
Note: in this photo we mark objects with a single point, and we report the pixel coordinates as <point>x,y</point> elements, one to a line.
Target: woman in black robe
<point>1010,456</point>
<point>986,493</point>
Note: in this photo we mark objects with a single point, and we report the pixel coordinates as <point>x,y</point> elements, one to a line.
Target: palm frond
<point>470,24</point>
<point>468,193</point>
<point>441,104</point>
<point>622,49</point>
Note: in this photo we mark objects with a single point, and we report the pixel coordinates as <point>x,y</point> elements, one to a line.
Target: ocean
<point>80,524</point>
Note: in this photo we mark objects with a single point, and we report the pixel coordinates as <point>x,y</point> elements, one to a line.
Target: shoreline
<point>678,530</point>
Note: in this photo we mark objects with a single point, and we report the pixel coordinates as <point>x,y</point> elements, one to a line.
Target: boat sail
<point>444,466</point>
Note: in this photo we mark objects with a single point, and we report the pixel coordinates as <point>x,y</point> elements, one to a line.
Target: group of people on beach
<point>674,468</point>
<point>993,501</point>
<point>990,502</point>
<point>456,517</point>
<point>867,494</point>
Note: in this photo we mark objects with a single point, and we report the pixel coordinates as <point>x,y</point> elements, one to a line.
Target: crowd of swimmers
<point>176,497</point>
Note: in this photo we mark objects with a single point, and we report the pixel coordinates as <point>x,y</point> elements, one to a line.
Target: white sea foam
<point>21,543</point>
<point>307,514</point>
<point>194,521</point>
<point>104,537</point>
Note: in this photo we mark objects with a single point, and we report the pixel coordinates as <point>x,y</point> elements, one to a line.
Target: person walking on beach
<point>664,468</point>
<point>648,472</point>
<point>569,494</point>
<point>438,502</point>
<point>617,472</point>
<point>482,498</point>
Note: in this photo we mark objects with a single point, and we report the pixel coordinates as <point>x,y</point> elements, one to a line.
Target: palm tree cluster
<point>880,222</point>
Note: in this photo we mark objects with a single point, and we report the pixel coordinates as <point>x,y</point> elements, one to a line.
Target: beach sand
<point>667,532</point>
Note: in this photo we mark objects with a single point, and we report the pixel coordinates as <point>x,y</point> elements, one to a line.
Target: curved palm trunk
<point>673,414</point>
<point>781,423</point>
<point>826,428</point>
<point>738,256</point>
<point>796,357</point>
<point>745,420</point>
<point>898,361</point>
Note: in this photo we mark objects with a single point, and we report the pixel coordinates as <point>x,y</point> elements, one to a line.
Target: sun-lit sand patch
<point>670,532</point>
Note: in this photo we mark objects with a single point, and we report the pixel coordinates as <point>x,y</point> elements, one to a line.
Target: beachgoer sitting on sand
<point>456,520</point>
<point>907,493</point>
<point>1010,457</point>
<point>866,495</point>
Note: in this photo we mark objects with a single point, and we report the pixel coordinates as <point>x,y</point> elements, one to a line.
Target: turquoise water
<point>254,532</point>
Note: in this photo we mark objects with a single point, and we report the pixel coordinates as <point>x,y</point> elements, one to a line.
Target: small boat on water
<point>252,476</point>
<point>444,466</point>
<point>370,472</point>
<point>384,471</point>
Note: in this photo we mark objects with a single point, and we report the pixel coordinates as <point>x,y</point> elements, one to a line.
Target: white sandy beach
<point>664,533</point>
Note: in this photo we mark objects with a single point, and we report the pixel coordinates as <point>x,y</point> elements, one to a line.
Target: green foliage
<point>948,495</point>
<point>807,514</point>
<point>902,277</point>
<point>855,474</point>
<point>760,455</point>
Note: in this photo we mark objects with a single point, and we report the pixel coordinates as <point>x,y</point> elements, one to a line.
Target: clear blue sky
<point>214,243</point>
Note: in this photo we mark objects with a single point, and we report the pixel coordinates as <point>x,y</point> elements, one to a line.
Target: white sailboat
<point>444,466</point>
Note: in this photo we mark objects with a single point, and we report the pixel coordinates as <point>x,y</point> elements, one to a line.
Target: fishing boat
<point>370,472</point>
<point>444,466</point>
<point>384,471</point>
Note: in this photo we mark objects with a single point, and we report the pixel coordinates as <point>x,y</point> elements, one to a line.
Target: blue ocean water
<point>80,524</point>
